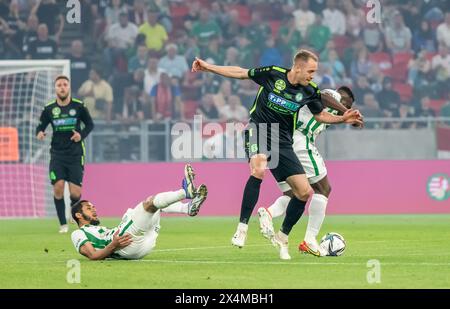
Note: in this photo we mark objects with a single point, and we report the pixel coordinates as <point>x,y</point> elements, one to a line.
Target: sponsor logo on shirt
<point>280,84</point>
<point>299,97</point>
<point>286,104</point>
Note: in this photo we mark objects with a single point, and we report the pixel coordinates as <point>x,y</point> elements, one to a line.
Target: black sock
<point>74,199</point>
<point>294,212</point>
<point>251,194</point>
<point>60,210</point>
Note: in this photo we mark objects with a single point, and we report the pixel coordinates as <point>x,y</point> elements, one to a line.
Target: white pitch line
<point>203,248</point>
<point>282,263</point>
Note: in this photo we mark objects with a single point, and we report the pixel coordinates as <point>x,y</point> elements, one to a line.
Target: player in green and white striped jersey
<point>308,129</point>
<point>136,234</point>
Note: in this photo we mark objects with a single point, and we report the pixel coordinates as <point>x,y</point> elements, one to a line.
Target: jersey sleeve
<point>79,239</point>
<point>261,75</point>
<point>314,102</point>
<point>86,118</point>
<point>44,120</point>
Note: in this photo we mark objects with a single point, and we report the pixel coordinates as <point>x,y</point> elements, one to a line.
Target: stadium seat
<point>244,14</point>
<point>341,42</point>
<point>436,105</point>
<point>190,108</point>
<point>443,138</point>
<point>404,90</point>
<point>274,26</point>
<point>178,11</point>
<point>383,60</point>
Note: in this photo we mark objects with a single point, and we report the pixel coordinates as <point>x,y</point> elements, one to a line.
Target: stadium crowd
<point>131,58</point>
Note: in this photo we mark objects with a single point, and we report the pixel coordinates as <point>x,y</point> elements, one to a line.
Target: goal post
<point>25,88</point>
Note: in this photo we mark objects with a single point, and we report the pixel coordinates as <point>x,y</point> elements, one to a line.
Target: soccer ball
<point>333,243</point>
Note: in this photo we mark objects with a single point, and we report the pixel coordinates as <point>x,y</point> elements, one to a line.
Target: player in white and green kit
<point>136,234</point>
<point>308,129</point>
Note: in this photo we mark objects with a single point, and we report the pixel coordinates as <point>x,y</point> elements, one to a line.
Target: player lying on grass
<point>136,234</point>
<point>305,148</point>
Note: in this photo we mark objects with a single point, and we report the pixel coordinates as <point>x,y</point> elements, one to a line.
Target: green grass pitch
<point>413,251</point>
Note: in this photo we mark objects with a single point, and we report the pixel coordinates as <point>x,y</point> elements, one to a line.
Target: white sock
<point>242,227</point>
<point>317,209</point>
<point>278,208</point>
<point>177,208</point>
<point>162,200</point>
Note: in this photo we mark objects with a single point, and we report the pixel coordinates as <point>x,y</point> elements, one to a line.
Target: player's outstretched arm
<point>351,116</point>
<point>118,243</point>
<point>200,65</point>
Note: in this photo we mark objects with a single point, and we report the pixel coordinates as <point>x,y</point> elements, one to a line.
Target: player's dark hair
<point>77,208</point>
<point>305,55</point>
<point>61,77</point>
<point>348,91</point>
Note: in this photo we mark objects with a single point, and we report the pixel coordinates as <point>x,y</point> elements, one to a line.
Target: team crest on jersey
<point>280,84</point>
<point>438,187</point>
<point>56,111</point>
<point>72,112</point>
<point>299,97</point>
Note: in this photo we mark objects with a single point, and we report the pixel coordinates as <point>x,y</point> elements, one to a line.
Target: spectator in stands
<point>404,112</point>
<point>209,83</point>
<point>97,95</point>
<point>258,31</point>
<point>219,15</point>
<point>156,35</point>
<point>318,35</point>
<point>370,109</point>
<point>303,17</point>
<point>139,61</point>
<point>79,65</point>
<point>187,46</point>
<point>337,67</point>
<point>192,16</point>
<point>113,13</point>
<point>424,38</point>
<point>418,70</point>
<point>373,37</point>
<point>362,87</point>
<point>389,99</point>
<point>207,108</point>
<point>205,29</point>
<point>138,14</point>
<point>398,37</point>
<point>48,12</point>
<point>121,82</point>
<point>30,33</point>
<point>361,65</point>
<point>289,38</point>
<point>174,64</point>
<point>440,65</point>
<point>271,55</point>
<point>355,18</point>
<point>4,9</point>
<point>334,19</point>
<point>246,58</point>
<point>231,57</point>
<point>424,108</point>
<point>133,106</point>
<point>120,37</point>
<point>246,93</point>
<point>233,111</point>
<point>43,47</point>
<point>443,31</point>
<point>232,29</point>
<point>14,31</point>
<point>165,100</point>
<point>152,74</point>
<point>214,50</point>
<point>222,96</point>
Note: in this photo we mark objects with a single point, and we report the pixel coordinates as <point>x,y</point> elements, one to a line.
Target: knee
<point>58,190</point>
<point>303,194</point>
<point>258,172</point>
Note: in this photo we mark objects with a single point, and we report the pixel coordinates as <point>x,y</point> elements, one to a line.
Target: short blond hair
<point>305,55</point>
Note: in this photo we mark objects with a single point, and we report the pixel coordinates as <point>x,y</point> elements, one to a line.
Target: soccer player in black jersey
<point>281,94</point>
<point>67,151</point>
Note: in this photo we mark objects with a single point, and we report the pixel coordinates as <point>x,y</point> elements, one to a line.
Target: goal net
<point>25,87</point>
